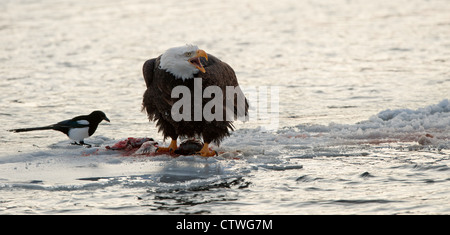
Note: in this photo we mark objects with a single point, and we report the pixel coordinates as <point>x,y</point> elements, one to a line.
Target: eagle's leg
<point>172,147</point>
<point>206,152</point>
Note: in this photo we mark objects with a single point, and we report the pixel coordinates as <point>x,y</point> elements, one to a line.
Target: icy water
<point>362,127</point>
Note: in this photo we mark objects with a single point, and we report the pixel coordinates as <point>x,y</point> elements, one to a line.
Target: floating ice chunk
<point>386,126</point>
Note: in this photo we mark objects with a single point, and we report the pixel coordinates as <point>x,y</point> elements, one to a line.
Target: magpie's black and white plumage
<point>77,128</point>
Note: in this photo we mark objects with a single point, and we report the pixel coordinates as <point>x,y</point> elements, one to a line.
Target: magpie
<point>77,128</point>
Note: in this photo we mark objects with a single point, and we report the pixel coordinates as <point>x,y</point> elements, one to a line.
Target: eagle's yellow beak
<point>196,60</point>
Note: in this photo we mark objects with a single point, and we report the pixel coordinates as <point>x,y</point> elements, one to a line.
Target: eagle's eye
<point>188,54</point>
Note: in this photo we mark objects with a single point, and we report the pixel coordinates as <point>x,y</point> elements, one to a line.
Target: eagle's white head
<point>183,62</point>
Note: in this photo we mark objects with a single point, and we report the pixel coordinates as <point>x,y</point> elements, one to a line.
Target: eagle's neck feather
<point>182,74</point>
<point>181,70</point>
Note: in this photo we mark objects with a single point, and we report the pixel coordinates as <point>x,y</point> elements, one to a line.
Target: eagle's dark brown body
<point>158,103</point>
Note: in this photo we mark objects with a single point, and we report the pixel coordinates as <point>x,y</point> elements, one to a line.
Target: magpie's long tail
<point>51,127</point>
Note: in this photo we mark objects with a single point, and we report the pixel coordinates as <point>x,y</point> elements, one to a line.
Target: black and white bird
<point>77,128</point>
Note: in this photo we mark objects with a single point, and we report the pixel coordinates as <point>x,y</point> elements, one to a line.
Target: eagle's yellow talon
<point>172,147</point>
<point>206,152</point>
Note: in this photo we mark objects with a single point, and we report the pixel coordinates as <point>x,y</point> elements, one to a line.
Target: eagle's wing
<point>221,74</point>
<point>147,70</point>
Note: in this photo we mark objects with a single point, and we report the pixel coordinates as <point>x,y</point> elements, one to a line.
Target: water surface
<point>363,107</point>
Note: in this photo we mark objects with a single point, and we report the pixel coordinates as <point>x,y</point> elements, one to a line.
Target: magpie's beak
<point>106,119</point>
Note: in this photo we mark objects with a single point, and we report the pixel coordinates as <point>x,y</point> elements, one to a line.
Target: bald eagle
<point>181,66</point>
